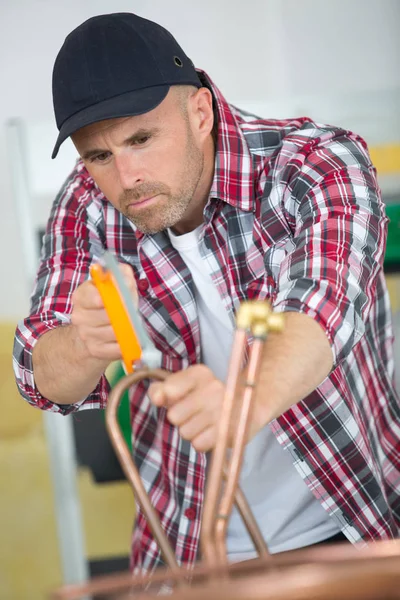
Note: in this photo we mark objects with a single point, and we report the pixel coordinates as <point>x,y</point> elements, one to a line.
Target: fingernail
<point>157,397</point>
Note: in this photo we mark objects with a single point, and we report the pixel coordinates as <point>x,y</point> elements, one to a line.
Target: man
<point>205,207</point>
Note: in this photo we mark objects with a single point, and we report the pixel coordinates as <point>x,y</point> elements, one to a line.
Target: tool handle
<point>118,315</point>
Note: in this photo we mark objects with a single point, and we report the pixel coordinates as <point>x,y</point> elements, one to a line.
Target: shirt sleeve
<point>330,268</point>
<point>70,244</point>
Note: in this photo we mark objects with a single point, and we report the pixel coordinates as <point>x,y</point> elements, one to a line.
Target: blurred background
<point>65,510</point>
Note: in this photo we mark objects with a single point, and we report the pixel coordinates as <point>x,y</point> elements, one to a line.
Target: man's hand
<point>294,363</point>
<point>91,321</point>
<point>68,361</point>
<point>193,399</point>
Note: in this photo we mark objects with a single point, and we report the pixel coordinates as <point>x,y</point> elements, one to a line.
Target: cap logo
<point>178,61</point>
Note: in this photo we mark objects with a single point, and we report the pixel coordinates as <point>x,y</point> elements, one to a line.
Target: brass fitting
<point>257,317</point>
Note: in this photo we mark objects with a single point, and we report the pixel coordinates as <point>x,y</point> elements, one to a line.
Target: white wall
<point>339,59</point>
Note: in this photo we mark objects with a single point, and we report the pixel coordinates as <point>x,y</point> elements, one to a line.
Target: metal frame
<point>58,429</point>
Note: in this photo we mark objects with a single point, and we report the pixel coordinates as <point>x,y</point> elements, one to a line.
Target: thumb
<point>156,394</point>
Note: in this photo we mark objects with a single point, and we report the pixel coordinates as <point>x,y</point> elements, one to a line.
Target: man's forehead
<point>109,125</point>
<point>148,119</point>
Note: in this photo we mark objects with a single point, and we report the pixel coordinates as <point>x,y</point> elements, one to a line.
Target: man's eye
<point>141,140</point>
<point>100,157</point>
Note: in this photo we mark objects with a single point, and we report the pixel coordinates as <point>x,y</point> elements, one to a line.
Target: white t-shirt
<point>286,511</point>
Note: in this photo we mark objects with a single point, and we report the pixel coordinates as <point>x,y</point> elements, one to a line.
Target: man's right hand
<point>68,361</point>
<point>91,322</point>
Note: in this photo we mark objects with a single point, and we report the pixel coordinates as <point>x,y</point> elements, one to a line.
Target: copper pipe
<point>127,463</point>
<point>295,566</point>
<point>320,573</point>
<point>219,454</point>
<point>251,524</point>
<point>134,479</point>
<point>255,317</point>
<point>236,459</point>
<point>372,581</point>
<point>260,312</point>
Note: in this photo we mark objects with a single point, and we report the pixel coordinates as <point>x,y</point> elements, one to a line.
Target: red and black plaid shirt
<point>294,215</point>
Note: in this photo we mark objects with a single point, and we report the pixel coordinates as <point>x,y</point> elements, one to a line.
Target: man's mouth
<point>142,202</point>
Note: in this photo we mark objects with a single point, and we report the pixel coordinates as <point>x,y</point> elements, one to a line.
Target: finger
<point>101,335</point>
<point>206,440</point>
<point>195,425</point>
<point>185,409</point>
<point>87,296</point>
<point>108,352</point>
<point>90,318</point>
<point>98,319</point>
<point>166,395</point>
<point>179,385</point>
<point>156,394</point>
<point>206,398</point>
<point>95,335</point>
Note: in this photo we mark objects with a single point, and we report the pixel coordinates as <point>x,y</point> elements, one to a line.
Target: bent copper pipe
<point>255,317</point>
<point>252,526</point>
<point>126,461</point>
<point>135,481</point>
<point>218,460</point>
<point>236,459</point>
<point>217,510</point>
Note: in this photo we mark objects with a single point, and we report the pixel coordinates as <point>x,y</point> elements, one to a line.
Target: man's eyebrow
<point>138,135</point>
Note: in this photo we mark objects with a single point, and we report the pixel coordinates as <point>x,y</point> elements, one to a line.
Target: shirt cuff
<point>25,340</point>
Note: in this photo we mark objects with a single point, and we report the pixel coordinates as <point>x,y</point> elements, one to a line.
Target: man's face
<point>151,166</point>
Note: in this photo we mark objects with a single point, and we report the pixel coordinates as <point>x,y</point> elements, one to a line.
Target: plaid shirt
<point>294,215</point>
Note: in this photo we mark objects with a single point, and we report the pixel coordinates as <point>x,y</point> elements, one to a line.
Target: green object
<point>392,256</point>
<point>124,413</point>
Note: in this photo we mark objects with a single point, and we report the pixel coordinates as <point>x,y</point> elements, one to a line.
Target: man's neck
<point>194,215</point>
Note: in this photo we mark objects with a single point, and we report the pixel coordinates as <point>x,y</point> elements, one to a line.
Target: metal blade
<point>150,352</point>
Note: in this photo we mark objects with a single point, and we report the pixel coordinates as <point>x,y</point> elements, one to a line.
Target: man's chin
<point>148,227</point>
<point>155,220</point>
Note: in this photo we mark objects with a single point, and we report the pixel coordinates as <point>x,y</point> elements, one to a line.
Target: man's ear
<point>202,111</point>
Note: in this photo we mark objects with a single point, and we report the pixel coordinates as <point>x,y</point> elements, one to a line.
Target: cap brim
<point>125,105</point>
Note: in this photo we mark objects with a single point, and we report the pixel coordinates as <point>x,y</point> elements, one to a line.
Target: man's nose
<point>129,170</point>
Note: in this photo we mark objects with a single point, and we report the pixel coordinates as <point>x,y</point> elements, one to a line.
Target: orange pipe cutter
<point>137,349</point>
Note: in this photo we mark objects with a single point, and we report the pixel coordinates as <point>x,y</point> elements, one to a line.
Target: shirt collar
<point>233,180</point>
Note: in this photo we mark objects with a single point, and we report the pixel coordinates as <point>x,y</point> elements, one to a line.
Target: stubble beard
<point>170,208</point>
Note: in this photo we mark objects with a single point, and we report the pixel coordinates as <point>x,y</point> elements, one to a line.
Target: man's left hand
<point>193,398</point>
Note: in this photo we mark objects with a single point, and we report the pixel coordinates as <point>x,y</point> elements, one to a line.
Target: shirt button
<point>87,184</point>
<point>143,285</point>
<point>190,513</point>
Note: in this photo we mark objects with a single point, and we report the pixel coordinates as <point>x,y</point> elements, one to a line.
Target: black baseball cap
<point>115,65</point>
